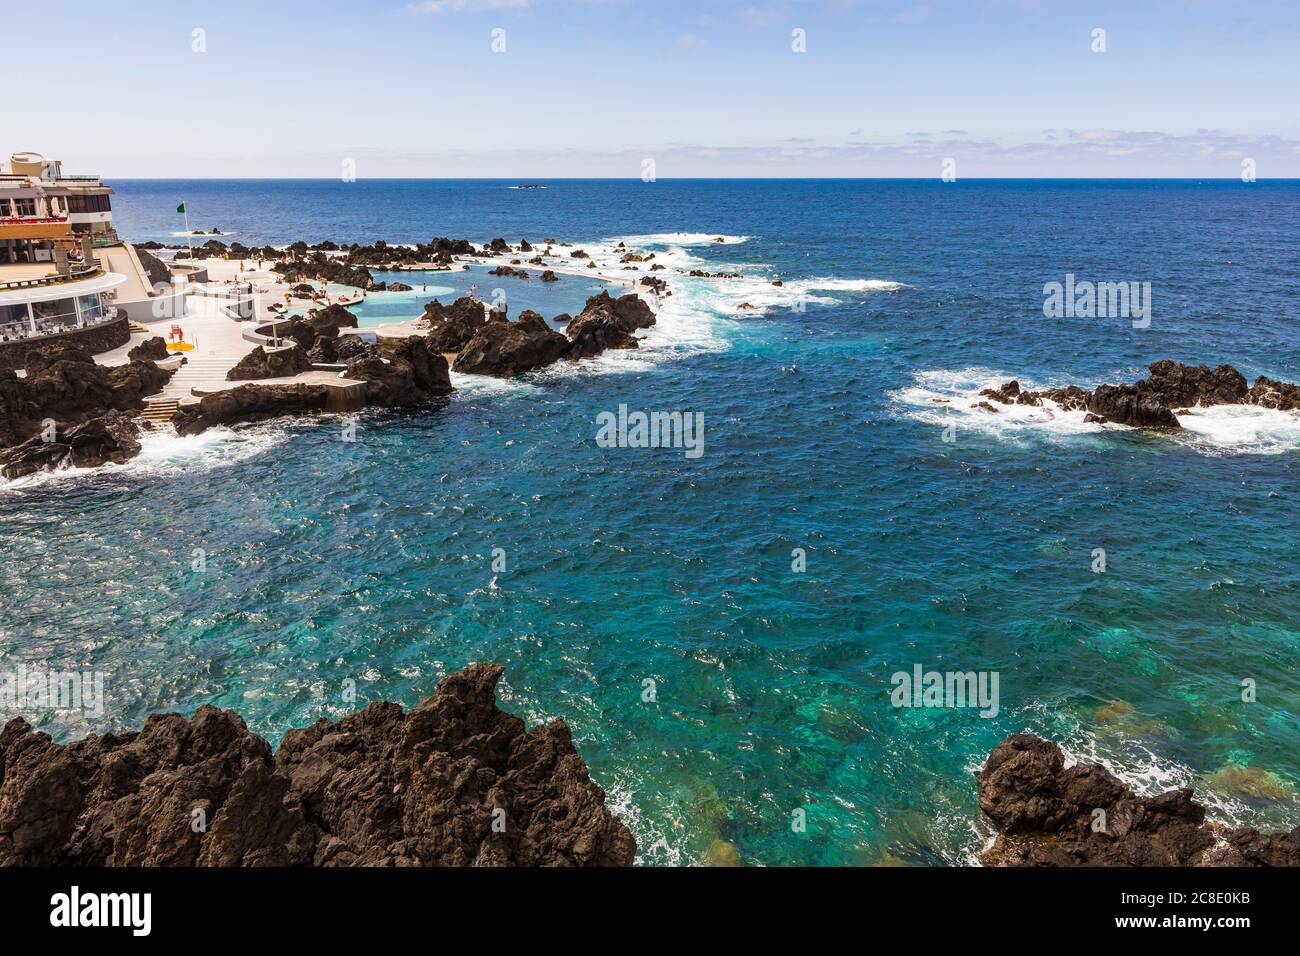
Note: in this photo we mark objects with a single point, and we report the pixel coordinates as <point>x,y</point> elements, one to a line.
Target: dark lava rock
<point>398,287</point>
<point>1173,383</point>
<point>593,332</point>
<point>452,326</point>
<point>629,312</point>
<point>1047,815</point>
<point>1130,405</point>
<point>111,438</point>
<point>509,348</point>
<point>549,276</point>
<point>278,363</point>
<point>65,385</point>
<point>409,374</point>
<point>150,350</point>
<point>453,782</point>
<point>249,403</point>
<point>1268,393</point>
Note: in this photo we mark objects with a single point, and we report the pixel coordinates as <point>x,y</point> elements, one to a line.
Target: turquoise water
<point>547,298</point>
<point>371,561</point>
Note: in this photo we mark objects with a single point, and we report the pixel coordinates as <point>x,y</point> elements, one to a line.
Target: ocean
<point>721,631</point>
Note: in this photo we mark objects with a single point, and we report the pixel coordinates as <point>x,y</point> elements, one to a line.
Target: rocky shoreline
<point>92,407</point>
<point>1049,815</point>
<point>70,411</point>
<point>452,782</point>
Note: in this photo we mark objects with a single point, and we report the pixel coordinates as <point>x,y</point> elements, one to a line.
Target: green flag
<point>181,208</point>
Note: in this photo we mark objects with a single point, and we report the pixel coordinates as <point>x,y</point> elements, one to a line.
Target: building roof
<point>61,290</point>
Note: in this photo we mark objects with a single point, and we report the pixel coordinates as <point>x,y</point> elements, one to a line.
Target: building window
<point>92,308</point>
<point>4,208</point>
<point>26,207</point>
<point>85,204</point>
<point>61,313</point>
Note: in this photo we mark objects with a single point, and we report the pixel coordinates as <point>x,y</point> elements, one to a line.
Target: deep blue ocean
<point>837,421</point>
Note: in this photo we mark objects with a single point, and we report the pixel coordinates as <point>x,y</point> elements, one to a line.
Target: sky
<point>602,88</point>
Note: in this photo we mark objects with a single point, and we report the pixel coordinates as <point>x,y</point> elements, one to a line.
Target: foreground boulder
<point>409,374</point>
<point>150,350</point>
<point>453,782</point>
<point>1048,815</point>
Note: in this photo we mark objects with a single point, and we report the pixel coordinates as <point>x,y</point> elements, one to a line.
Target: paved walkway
<point>218,346</point>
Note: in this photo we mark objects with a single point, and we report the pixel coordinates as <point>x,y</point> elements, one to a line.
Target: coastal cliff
<point>1051,815</point>
<point>453,782</point>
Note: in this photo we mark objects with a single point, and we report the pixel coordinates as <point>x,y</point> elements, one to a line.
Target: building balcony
<point>33,227</point>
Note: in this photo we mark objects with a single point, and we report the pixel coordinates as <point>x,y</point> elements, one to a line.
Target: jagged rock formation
<point>278,363</point>
<point>1047,815</point>
<point>453,782</point>
<point>509,348</point>
<point>452,326</point>
<point>111,438</point>
<point>150,350</point>
<point>65,385</point>
<point>1151,402</point>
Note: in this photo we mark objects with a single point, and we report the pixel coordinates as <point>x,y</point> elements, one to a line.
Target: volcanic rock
<point>249,403</point>
<point>381,787</point>
<point>1048,815</point>
<point>452,326</point>
<point>278,363</point>
<point>509,348</point>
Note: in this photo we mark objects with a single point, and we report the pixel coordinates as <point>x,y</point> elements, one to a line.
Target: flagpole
<point>189,237</point>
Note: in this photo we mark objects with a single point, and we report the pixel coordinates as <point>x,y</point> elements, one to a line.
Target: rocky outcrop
<point>592,334</point>
<point>511,348</point>
<point>629,312</point>
<point>111,438</point>
<point>64,387</point>
<point>249,403</point>
<point>278,363</point>
<point>410,374</point>
<point>322,268</point>
<point>453,782</point>
<point>150,350</point>
<point>1050,815</point>
<point>1151,402</point>
<point>452,326</point>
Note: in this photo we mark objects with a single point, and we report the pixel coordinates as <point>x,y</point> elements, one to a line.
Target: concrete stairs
<point>160,409</point>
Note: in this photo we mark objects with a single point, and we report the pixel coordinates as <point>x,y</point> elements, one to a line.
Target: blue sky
<point>708,88</point>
